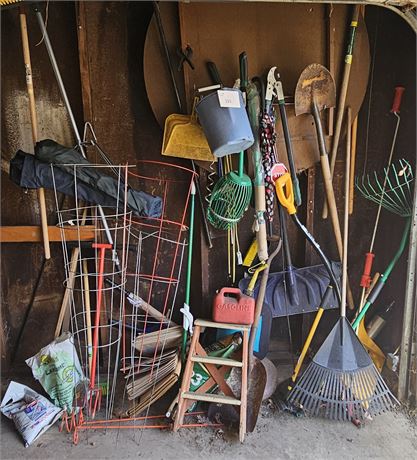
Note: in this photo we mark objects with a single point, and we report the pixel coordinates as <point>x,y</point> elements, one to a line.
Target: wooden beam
<point>33,234</point>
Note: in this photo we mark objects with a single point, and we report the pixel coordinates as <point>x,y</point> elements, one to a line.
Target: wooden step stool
<point>197,354</point>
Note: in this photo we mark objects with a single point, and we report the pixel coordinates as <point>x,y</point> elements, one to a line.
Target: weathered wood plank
<point>33,234</point>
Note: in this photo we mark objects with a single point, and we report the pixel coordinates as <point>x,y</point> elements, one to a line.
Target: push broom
<point>342,382</point>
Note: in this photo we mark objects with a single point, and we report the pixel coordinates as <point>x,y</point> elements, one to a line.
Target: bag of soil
<point>58,370</point>
<point>31,413</point>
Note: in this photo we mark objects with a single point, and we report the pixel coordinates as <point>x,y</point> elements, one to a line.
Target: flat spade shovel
<point>316,91</point>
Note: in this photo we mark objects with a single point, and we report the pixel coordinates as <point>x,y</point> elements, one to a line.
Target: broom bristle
<point>342,395</point>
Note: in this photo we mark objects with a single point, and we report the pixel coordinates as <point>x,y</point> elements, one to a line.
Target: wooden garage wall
<point>114,34</point>
<point>22,264</point>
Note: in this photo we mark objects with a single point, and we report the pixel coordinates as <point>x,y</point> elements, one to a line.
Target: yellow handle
<point>255,275</point>
<point>306,345</point>
<point>285,192</point>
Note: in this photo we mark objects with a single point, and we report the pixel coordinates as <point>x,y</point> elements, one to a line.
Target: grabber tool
<point>95,392</point>
<point>369,256</point>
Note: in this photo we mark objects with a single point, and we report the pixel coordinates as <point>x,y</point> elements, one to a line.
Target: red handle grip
<point>399,90</point>
<point>366,276</point>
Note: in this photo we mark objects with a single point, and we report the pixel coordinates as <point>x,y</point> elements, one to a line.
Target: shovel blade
<point>315,84</point>
<point>256,387</point>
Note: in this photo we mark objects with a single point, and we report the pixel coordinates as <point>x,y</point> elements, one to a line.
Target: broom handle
<point>34,124</point>
<point>346,213</point>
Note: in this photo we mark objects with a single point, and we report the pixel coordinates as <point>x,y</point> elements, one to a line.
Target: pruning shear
<point>273,88</point>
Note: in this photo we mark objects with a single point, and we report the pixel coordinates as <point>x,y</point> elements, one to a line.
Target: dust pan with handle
<point>184,138</point>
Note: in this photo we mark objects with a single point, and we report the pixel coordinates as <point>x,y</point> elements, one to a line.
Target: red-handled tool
<point>399,91</point>
<point>95,393</point>
<point>366,275</point>
<point>369,257</point>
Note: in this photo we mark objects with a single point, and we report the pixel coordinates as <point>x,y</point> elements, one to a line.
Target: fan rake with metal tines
<point>395,193</point>
<point>342,382</point>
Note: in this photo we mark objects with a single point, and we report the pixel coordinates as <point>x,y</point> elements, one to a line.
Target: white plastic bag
<point>58,370</point>
<point>31,413</point>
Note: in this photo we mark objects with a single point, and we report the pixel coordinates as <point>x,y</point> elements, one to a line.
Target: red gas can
<point>232,306</point>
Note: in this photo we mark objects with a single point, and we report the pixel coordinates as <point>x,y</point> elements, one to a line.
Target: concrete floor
<point>277,435</point>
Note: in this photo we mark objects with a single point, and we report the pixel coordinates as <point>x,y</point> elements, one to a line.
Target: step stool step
<point>206,397</point>
<point>217,361</point>
<point>237,327</point>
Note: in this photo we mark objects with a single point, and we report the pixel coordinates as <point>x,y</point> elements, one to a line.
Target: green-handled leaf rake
<point>342,382</point>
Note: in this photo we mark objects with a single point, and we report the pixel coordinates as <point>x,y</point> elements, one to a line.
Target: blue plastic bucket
<point>227,129</point>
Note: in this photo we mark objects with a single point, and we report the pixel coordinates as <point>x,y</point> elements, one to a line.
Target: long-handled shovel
<point>316,91</point>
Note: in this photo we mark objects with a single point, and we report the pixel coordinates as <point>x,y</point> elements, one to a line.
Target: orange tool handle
<point>398,94</point>
<point>102,247</point>
<point>366,276</point>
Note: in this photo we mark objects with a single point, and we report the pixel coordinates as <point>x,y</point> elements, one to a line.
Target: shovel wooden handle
<point>34,124</point>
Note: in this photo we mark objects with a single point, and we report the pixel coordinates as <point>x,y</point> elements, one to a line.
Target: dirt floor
<point>277,435</point>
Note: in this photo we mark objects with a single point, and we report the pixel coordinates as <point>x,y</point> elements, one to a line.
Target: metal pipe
<point>410,308</point>
<point>59,79</point>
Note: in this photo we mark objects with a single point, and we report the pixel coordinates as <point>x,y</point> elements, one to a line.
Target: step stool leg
<point>186,380</point>
<point>244,385</point>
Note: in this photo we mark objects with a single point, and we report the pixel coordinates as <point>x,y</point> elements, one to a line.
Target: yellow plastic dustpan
<point>184,138</point>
